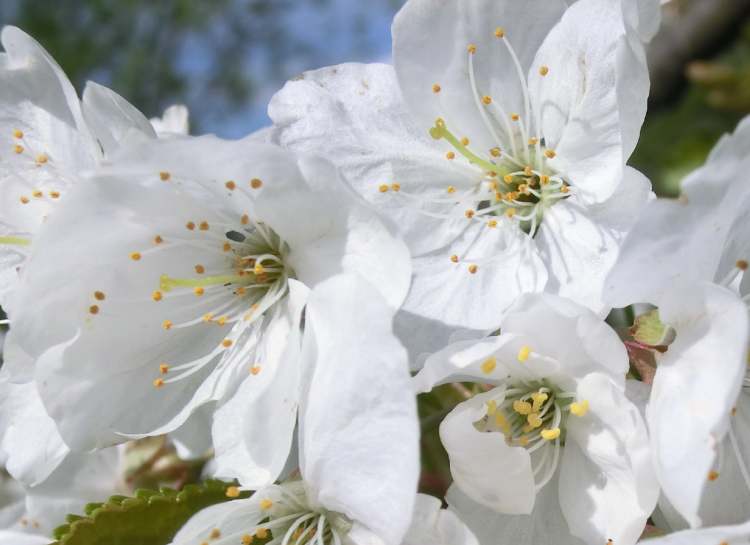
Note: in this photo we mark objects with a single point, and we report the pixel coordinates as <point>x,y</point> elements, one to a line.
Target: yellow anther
<point>491,407</point>
<point>42,158</point>
<point>233,492</point>
<point>472,48</point>
<point>256,183</point>
<point>198,290</point>
<point>502,422</point>
<point>383,188</point>
<point>208,316</point>
<point>18,133</point>
<point>255,369</point>
<point>469,213</point>
<point>203,226</point>
<point>94,309</point>
<point>200,269</point>
<point>499,32</point>
<point>226,246</point>
<point>167,324</point>
<point>515,117</point>
<point>158,383</point>
<point>492,224</point>
<point>165,176</point>
<point>454,258</point>
<point>163,368</point>
<point>565,189</point>
<point>580,408</point>
<point>226,343</point>
<point>451,189</point>
<point>259,269</point>
<point>222,320</point>
<point>545,179</point>
<point>266,504</point>
<point>215,533</point>
<point>261,533</point>
<point>54,194</point>
<point>473,268</point>
<point>741,264</point>
<point>713,475</point>
<point>135,256</point>
<point>436,88</point>
<point>510,212</point>
<point>495,152</point>
<point>240,291</point>
<point>190,226</point>
<point>158,239</point>
<point>245,219</point>
<point>523,440</point>
<point>550,154</point>
<point>523,353</point>
<point>18,148</point>
<point>487,100</point>
<point>37,194</point>
<point>450,156</point>
<point>24,200</point>
<point>489,365</point>
<point>247,539</point>
<point>522,407</point>
<point>230,185</point>
<point>539,398</point>
<point>543,70</point>
<point>508,178</point>
<point>534,420</point>
<point>157,296</point>
<point>550,434</point>
<point>465,141</point>
<point>396,187</point>
<point>528,171</point>
<point>100,295</point>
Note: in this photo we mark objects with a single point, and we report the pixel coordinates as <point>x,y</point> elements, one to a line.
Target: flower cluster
<point>274,306</point>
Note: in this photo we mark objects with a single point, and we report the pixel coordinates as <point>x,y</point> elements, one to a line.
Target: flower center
<point>533,415</point>
<point>517,179</point>
<point>248,278</point>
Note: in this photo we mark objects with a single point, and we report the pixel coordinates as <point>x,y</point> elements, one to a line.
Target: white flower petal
<point>358,426</point>
<point>437,526</point>
<point>580,244</point>
<point>691,402</point>
<point>253,431</point>
<point>110,117</point>
<point>174,121</point>
<point>430,47</point>
<point>545,524</point>
<point>593,100</point>
<point>353,114</point>
<point>608,487</point>
<point>482,464</point>
<point>706,536</point>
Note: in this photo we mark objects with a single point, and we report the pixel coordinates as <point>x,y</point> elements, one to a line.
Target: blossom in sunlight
<point>497,144</point>
<point>555,409</point>
<point>187,263</point>
<point>688,257</point>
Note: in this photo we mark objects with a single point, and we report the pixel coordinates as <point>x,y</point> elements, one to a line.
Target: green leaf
<point>150,518</point>
<point>649,330</point>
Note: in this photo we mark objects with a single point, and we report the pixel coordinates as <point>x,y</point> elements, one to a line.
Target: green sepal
<point>649,330</point>
<point>150,517</point>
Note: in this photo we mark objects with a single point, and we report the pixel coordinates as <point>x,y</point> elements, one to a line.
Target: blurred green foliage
<point>678,137</point>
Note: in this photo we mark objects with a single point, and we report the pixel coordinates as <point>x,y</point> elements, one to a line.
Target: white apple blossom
<point>497,145</point>
<point>688,257</point>
<point>174,121</point>
<point>48,139</point>
<point>358,437</point>
<point>187,264</point>
<point>556,409</point>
